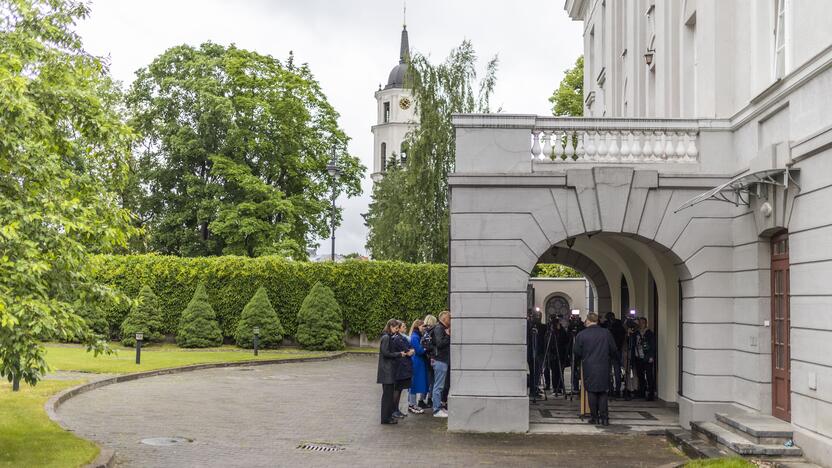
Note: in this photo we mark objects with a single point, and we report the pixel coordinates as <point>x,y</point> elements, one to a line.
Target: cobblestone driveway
<point>258,416</point>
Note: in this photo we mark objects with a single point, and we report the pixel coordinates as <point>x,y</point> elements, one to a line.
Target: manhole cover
<point>165,441</point>
<point>321,447</point>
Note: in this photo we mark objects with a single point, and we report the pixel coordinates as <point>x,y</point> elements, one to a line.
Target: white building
<point>700,178</point>
<point>395,114</point>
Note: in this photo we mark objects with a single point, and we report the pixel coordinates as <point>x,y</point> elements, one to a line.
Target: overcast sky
<point>351,47</point>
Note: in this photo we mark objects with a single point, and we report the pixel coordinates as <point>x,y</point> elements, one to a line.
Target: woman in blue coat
<point>419,380</point>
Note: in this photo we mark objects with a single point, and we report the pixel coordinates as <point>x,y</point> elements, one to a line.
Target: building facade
<point>396,114</point>
<point>694,190</point>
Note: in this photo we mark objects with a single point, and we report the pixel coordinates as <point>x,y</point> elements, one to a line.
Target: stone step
<point>741,445</point>
<point>759,428</point>
<point>693,446</point>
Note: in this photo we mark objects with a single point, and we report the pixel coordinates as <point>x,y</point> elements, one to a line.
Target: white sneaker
<point>440,414</point>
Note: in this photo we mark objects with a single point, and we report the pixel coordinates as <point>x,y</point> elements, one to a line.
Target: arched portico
<point>621,219</point>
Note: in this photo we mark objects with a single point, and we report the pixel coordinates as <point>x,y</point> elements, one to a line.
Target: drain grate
<point>165,441</point>
<point>321,447</point>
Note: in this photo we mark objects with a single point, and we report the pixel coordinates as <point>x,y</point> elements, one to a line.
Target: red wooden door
<point>780,328</point>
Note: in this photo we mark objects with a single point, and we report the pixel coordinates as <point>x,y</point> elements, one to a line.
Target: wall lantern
<point>570,242</point>
<point>648,57</point>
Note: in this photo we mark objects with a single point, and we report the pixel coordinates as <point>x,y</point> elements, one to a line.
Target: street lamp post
<point>256,339</point>
<point>334,171</point>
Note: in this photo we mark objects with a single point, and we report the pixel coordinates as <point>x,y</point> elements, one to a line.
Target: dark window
<point>383,157</point>
<point>625,296</point>
<point>386,112</point>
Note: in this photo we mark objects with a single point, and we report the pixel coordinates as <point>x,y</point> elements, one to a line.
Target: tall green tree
<point>408,214</point>
<point>568,99</point>
<point>63,156</point>
<point>233,153</point>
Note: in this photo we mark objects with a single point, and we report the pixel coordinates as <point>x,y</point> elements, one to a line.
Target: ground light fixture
<point>256,331</point>
<point>139,338</point>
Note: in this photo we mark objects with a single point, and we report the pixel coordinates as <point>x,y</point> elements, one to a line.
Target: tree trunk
<point>15,383</point>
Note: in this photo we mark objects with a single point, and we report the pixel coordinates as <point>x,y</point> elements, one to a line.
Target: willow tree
<point>63,156</point>
<point>408,215</point>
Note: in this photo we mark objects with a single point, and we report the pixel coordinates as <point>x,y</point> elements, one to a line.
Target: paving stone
<point>259,417</point>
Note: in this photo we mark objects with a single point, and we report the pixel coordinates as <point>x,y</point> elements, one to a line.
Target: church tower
<point>396,114</point>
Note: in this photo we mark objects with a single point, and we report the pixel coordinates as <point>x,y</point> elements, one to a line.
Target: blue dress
<point>419,382</point>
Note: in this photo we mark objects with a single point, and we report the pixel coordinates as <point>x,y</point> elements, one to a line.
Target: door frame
<point>780,375</point>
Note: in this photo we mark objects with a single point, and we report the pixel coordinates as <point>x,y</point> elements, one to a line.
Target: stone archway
<point>501,227</point>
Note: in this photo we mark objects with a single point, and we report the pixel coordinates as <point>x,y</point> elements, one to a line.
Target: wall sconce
<point>570,242</point>
<point>648,57</point>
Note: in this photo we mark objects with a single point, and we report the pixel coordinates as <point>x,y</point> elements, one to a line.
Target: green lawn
<point>733,462</point>
<point>29,438</point>
<point>76,358</point>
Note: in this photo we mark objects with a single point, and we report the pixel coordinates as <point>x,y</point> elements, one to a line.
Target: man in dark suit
<point>595,347</point>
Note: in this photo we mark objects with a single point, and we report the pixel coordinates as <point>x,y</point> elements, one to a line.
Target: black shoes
<point>392,421</point>
<point>423,404</point>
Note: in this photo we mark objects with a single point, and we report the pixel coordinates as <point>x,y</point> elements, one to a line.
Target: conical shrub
<point>144,317</point>
<point>320,325</point>
<point>198,327</point>
<point>259,313</point>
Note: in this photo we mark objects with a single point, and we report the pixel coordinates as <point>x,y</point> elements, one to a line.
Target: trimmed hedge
<point>368,292</point>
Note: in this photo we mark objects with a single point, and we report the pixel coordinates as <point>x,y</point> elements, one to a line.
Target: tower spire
<point>404,48</point>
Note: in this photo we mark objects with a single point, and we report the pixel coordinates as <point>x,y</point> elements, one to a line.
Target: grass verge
<point>76,358</point>
<point>29,438</point>
<point>732,462</point>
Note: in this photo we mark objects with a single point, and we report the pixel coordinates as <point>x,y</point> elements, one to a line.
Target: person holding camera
<point>595,348</point>
<point>618,334</point>
<point>573,327</point>
<point>557,343</point>
<point>647,362</point>
<point>535,351</point>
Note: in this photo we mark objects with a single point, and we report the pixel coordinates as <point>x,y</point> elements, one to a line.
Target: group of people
<point>418,362</point>
<point>611,352</point>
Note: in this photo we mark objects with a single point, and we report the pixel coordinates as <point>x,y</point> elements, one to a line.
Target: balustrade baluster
<point>648,148</point>
<point>569,150</point>
<point>635,152</point>
<point>680,147</point>
<point>579,146</point>
<point>536,145</point>
<point>603,150</point>
<point>591,150</point>
<point>692,152</point>
<point>547,145</point>
<point>613,149</point>
<point>669,150</point>
<point>558,143</point>
<point>626,145</point>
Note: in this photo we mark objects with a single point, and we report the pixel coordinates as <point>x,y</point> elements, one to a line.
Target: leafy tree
<point>408,215</point>
<point>63,154</point>
<point>320,325</point>
<point>144,317</point>
<point>198,327</point>
<point>554,270</point>
<point>259,313</point>
<point>568,99</point>
<point>233,153</point>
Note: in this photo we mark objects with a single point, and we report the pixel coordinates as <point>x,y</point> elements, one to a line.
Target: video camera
<point>631,321</point>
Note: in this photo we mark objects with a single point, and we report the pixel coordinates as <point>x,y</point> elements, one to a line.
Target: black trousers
<point>646,378</point>
<point>598,404</point>
<point>387,402</point>
<point>554,375</point>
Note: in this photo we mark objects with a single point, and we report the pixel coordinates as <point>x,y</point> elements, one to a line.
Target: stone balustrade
<point>629,141</point>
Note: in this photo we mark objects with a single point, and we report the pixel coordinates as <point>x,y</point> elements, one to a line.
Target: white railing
<point>629,141</point>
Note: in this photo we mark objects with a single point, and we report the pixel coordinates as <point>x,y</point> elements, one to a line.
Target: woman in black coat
<point>388,360</point>
<point>404,368</point>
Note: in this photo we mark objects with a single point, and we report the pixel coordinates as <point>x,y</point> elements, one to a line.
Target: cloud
<point>351,47</point>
